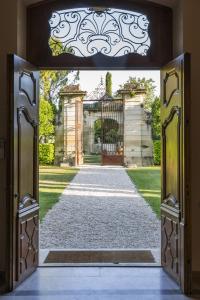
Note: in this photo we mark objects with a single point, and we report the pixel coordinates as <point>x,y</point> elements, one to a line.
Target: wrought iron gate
<point>112,132</point>
<point>107,123</point>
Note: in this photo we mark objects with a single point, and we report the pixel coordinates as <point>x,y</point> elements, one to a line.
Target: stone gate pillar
<point>70,146</point>
<point>138,145</point>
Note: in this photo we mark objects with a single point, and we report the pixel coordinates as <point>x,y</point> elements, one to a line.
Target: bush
<point>157,152</point>
<point>47,116</point>
<point>46,154</point>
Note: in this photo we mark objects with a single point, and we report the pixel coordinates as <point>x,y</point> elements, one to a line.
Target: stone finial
<point>72,90</point>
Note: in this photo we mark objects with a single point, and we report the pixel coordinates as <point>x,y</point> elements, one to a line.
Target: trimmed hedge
<point>157,152</point>
<point>46,154</point>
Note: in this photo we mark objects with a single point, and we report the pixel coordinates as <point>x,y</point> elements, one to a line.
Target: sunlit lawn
<point>52,182</point>
<point>148,183</point>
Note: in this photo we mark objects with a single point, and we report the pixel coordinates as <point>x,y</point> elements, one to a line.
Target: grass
<point>148,183</point>
<point>92,159</point>
<point>52,182</point>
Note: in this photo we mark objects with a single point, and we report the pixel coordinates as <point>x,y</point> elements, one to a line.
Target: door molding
<point>26,201</point>
<point>170,199</point>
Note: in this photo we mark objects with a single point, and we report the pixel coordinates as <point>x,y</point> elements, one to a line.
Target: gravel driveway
<point>100,208</point>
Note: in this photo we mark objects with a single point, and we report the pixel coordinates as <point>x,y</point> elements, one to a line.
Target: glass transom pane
<point>85,32</point>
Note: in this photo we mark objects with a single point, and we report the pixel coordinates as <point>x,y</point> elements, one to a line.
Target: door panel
<point>175,169</point>
<point>24,84</point>
<point>27,243</point>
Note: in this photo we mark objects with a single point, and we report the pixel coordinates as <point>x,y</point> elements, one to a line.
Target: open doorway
<point>153,52</point>
<point>106,141</point>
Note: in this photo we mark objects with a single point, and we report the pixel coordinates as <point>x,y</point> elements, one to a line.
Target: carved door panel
<point>24,168</point>
<point>175,169</point>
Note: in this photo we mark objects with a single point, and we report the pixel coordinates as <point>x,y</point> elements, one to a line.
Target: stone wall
<point>138,145</point>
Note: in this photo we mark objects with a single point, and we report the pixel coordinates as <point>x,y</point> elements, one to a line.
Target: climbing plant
<point>156,122</point>
<point>156,130</point>
<point>142,83</point>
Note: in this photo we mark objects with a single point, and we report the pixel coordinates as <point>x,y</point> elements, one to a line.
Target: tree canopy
<point>51,82</point>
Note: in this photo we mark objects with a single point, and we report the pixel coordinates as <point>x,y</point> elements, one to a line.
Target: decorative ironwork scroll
<point>85,32</point>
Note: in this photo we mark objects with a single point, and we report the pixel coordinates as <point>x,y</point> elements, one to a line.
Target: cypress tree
<point>109,84</point>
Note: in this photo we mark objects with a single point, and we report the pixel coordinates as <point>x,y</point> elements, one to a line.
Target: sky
<point>89,80</point>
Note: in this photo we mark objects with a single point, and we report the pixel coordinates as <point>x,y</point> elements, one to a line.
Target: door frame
<point>187,252</point>
<point>160,19</point>
<point>10,203</point>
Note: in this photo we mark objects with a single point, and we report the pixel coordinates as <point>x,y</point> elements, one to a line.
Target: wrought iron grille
<point>104,121</point>
<point>85,32</point>
<point>112,127</point>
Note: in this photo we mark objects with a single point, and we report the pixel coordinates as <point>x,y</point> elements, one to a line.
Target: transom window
<point>85,32</point>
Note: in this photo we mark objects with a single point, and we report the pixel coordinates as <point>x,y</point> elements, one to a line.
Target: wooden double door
<point>24,205</point>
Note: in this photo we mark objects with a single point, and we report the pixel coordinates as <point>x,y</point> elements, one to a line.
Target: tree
<point>56,46</point>
<point>46,128</point>
<point>156,121</point>
<point>109,84</point>
<point>51,82</point>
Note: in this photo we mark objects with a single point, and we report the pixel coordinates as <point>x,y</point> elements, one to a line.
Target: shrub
<point>157,152</point>
<point>46,154</point>
<point>47,116</point>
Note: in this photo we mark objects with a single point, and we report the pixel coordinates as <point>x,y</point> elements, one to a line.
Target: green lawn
<point>148,183</point>
<point>52,182</point>
<point>92,159</point>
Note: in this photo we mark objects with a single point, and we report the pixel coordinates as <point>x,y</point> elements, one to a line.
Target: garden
<point>54,179</point>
